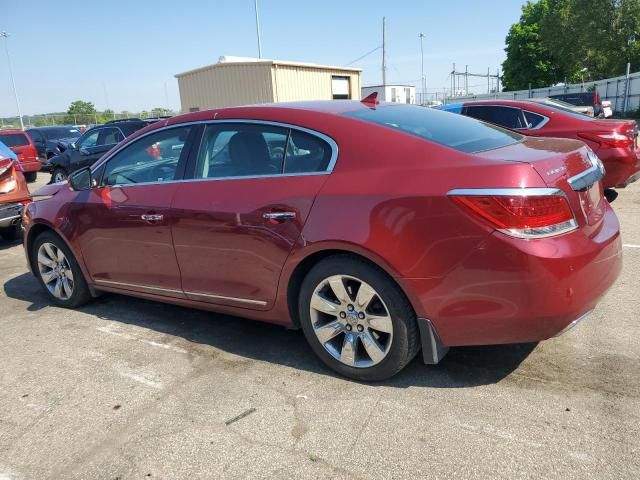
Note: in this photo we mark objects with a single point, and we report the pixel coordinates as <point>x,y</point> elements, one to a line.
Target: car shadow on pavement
<point>7,244</point>
<point>462,367</point>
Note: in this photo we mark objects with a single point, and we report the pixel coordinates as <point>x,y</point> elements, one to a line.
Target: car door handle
<point>279,215</point>
<point>152,217</point>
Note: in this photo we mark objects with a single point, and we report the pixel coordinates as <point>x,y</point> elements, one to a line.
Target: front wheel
<point>58,271</point>
<point>58,175</point>
<point>356,319</point>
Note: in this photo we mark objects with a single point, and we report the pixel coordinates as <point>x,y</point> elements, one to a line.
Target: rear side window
<point>306,154</point>
<point>14,139</point>
<point>506,117</point>
<point>451,130</point>
<point>532,119</point>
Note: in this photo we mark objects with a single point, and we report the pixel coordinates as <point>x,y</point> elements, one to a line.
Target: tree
<point>528,60</point>
<point>556,40</point>
<point>80,107</point>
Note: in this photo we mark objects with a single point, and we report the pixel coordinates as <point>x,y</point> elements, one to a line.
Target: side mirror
<point>84,151</point>
<point>81,180</point>
<point>73,146</point>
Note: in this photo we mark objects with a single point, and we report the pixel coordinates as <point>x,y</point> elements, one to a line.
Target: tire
<point>58,175</point>
<point>12,233</point>
<point>80,293</point>
<point>30,177</point>
<point>395,345</point>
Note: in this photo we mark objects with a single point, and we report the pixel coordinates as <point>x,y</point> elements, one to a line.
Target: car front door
<point>124,223</point>
<point>39,141</point>
<point>237,220</point>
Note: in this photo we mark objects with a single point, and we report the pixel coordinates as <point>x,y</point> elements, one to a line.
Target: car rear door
<point>124,224</point>
<point>236,221</point>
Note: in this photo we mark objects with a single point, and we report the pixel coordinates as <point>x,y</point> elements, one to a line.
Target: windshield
<point>62,132</point>
<point>449,129</point>
<point>14,139</point>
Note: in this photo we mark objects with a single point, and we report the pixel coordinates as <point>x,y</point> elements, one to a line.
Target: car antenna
<point>371,100</point>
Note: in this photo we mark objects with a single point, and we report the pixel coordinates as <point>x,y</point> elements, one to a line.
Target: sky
<point>123,55</point>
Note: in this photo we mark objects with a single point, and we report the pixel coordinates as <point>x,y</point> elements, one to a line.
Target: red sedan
<point>614,141</point>
<point>376,228</point>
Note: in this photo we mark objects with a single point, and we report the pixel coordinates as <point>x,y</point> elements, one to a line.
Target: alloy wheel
<point>351,321</point>
<point>55,271</point>
<point>59,177</point>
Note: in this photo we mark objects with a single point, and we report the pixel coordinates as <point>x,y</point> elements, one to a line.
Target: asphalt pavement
<point>129,389</point>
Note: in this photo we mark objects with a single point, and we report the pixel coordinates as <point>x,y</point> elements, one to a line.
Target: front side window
<point>89,140</point>
<point>507,117</point>
<point>241,150</point>
<point>152,158</point>
<point>110,136</point>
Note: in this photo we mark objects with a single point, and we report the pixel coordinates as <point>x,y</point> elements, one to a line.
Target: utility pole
<point>384,52</point>
<point>5,35</point>
<point>453,80</point>
<point>424,80</point>
<point>488,82</point>
<point>258,30</point>
<point>466,79</point>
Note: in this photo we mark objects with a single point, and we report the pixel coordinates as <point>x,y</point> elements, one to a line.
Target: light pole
<point>582,72</point>
<point>258,30</point>
<point>5,35</point>
<point>424,86</point>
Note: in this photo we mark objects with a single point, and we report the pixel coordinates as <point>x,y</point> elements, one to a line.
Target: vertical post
<point>488,82</point>
<point>498,79</point>
<point>258,30</point>
<point>466,79</point>
<point>5,35</point>
<point>422,68</point>
<point>626,89</point>
<point>384,52</point>
<point>453,81</point>
<point>530,95</point>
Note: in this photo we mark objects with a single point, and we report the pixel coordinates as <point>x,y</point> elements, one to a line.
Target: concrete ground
<point>129,389</point>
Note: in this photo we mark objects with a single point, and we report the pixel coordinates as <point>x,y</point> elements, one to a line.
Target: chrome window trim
<point>540,125</point>
<point>332,144</point>
<point>521,192</point>
<point>593,174</point>
<point>172,290</point>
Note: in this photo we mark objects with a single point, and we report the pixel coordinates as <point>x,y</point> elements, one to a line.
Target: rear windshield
<point>14,139</point>
<point>58,133</point>
<point>449,129</point>
<point>578,99</point>
<point>557,106</point>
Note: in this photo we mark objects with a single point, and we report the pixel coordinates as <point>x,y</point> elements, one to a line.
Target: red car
<point>614,141</point>
<point>376,228</point>
<point>14,195</point>
<point>20,143</point>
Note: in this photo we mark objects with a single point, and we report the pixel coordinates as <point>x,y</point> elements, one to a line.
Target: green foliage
<point>556,39</point>
<point>80,107</point>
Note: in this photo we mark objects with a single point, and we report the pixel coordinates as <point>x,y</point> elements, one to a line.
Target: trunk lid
<point>567,165</point>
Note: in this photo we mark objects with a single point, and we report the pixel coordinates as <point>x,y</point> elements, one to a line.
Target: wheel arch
<point>303,262</point>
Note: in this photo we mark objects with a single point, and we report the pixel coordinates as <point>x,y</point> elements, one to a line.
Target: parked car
<point>20,144</point>
<point>51,141</point>
<point>91,146</point>
<point>588,103</point>
<point>376,228</point>
<point>14,194</point>
<point>614,141</point>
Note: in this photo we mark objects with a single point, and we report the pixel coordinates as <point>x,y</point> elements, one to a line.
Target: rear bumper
<point>31,165</point>
<point>622,166</point>
<point>513,291</point>
<point>10,214</point>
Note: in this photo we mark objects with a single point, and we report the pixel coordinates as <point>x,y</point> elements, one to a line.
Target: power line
<point>363,56</point>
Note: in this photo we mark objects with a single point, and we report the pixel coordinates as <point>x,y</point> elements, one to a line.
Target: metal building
<point>245,81</point>
<point>392,93</point>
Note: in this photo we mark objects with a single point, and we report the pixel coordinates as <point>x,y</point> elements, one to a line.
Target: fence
<point>615,89</point>
<point>79,119</point>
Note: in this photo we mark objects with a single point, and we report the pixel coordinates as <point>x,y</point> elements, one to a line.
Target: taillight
<point>5,164</point>
<point>608,139</point>
<point>522,213</point>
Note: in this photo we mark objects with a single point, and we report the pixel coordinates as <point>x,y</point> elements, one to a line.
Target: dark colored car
<point>51,141</point>
<point>376,228</point>
<point>93,143</point>
<point>614,141</point>
<point>588,103</point>
<point>14,194</point>
<point>20,144</point>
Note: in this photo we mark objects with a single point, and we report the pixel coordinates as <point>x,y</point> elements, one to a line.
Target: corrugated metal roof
<point>270,62</point>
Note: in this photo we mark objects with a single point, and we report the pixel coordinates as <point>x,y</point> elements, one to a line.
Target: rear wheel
<point>356,319</point>
<point>58,175</point>
<point>59,272</point>
<point>30,177</point>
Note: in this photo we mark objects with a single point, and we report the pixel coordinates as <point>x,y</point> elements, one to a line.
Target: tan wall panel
<point>225,86</point>
<point>293,83</point>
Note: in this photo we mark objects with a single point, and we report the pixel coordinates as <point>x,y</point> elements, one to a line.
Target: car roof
<point>49,127</point>
<point>10,130</point>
